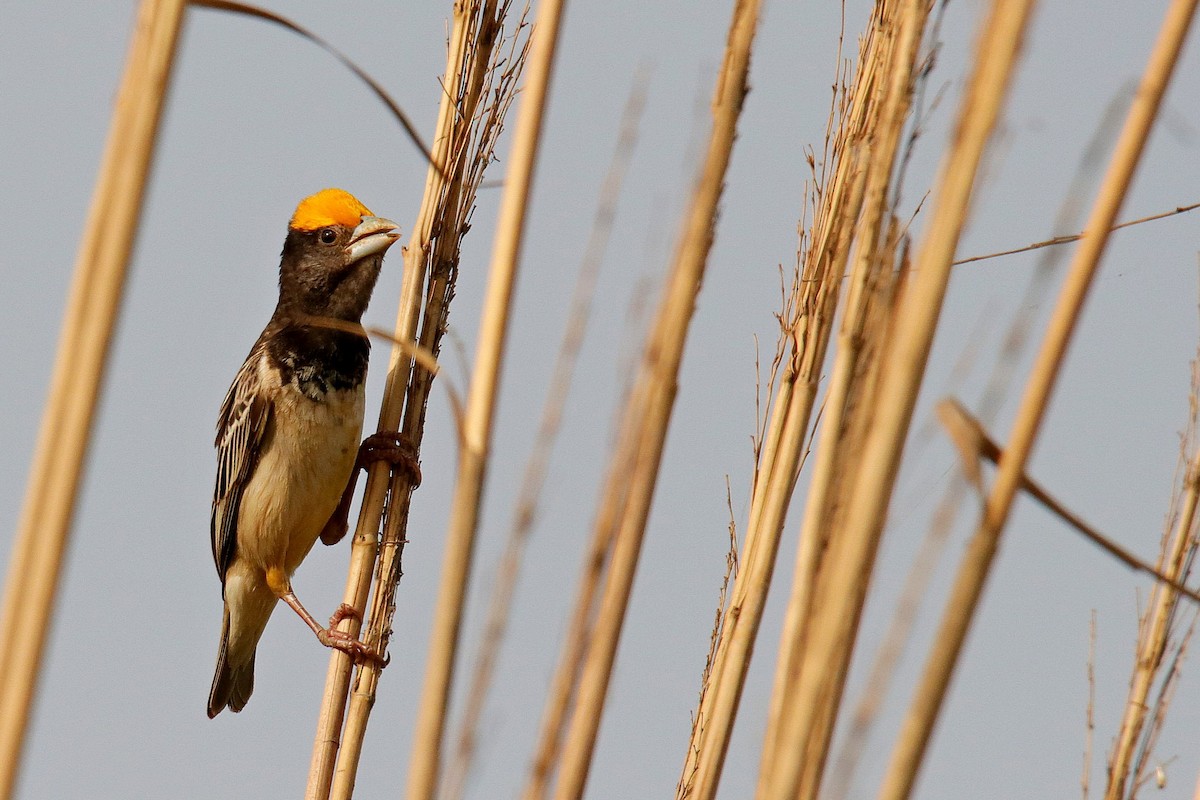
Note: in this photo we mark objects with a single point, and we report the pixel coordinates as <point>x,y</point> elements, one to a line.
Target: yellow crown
<point>328,207</point>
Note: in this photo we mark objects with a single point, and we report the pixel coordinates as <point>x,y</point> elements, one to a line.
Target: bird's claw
<point>358,651</point>
<point>393,448</point>
<point>344,611</point>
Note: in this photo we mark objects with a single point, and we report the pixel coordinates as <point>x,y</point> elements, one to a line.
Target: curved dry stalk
<point>359,72</point>
<point>968,586</point>
<point>34,570</point>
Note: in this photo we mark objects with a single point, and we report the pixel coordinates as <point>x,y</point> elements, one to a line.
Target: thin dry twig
<point>731,568</point>
<point>973,443</point>
<point>1075,237</point>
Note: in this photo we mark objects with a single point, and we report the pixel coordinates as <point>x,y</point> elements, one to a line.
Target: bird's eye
<point>327,236</point>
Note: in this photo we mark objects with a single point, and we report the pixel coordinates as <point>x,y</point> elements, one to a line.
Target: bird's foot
<point>358,651</point>
<point>393,448</point>
<point>387,446</point>
<point>344,611</point>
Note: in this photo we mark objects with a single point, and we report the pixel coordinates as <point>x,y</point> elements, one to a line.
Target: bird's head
<point>332,256</point>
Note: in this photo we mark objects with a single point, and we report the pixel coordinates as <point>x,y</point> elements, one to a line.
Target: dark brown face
<point>331,271</point>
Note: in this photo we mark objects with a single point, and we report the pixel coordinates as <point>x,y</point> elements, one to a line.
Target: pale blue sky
<point>259,118</point>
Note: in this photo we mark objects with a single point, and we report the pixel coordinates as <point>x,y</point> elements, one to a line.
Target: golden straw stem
<point>91,314</point>
<point>481,401</point>
<point>968,586</point>
<point>652,402</point>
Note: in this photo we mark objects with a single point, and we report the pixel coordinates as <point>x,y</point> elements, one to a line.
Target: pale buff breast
<point>307,455</point>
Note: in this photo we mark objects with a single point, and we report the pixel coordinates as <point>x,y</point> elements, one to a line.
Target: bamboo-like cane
<point>88,323</point>
<point>365,544</point>
<point>481,400</point>
<point>968,586</point>
<point>652,402</point>
<point>830,640</point>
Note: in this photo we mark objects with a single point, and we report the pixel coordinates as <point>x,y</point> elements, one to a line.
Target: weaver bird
<point>288,432</point>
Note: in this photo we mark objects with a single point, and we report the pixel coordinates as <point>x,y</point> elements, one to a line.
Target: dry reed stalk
<point>481,399</point>
<point>860,395</point>
<point>882,96</point>
<point>536,469</point>
<point>475,98</point>
<point>1157,629</point>
<point>649,409</point>
<point>839,197</point>
<point>561,695</point>
<point>968,586</point>
<point>921,571</point>
<point>364,545</point>
<point>864,484</point>
<point>88,323</point>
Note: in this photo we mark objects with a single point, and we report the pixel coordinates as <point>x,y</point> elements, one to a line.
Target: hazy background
<point>259,118</point>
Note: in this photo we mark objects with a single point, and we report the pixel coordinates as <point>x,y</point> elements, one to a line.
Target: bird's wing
<point>245,415</point>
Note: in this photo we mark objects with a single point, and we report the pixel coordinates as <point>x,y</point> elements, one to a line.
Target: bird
<point>288,432</point>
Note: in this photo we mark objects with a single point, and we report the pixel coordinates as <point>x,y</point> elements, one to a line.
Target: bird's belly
<point>302,470</point>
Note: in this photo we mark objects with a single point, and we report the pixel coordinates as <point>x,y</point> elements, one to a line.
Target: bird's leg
<point>386,446</point>
<point>358,651</point>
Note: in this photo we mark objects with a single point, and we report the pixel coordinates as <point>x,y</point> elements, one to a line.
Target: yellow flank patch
<point>328,207</point>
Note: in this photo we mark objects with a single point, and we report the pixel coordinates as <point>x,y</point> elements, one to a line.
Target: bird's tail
<point>233,683</point>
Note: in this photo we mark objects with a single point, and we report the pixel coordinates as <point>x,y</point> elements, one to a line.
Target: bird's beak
<point>373,235</point>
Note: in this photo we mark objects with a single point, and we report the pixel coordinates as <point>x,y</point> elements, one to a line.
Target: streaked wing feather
<point>245,414</point>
